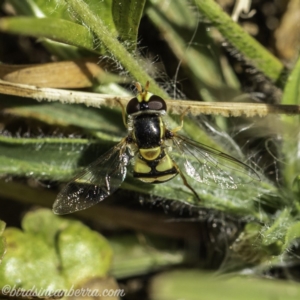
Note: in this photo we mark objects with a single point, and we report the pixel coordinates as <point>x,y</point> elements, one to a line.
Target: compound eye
<point>157,103</point>
<point>133,106</point>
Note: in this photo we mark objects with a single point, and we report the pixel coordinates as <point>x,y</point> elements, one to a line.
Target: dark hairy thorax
<point>147,130</point>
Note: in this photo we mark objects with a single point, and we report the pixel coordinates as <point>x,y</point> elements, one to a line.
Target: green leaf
<point>290,128</point>
<point>248,247</point>
<point>291,93</point>
<point>28,262</point>
<point>58,30</point>
<point>104,123</point>
<point>49,250</point>
<point>28,8</point>
<point>49,158</point>
<point>40,8</point>
<point>292,234</point>
<point>83,253</point>
<point>242,201</point>
<point>274,236</point>
<point>59,10</point>
<point>253,52</point>
<point>63,155</point>
<point>133,257</point>
<point>278,229</point>
<point>127,15</point>
<point>63,31</point>
<point>189,285</point>
<point>44,226</point>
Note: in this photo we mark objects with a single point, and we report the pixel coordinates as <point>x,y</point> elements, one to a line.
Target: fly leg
<point>185,182</point>
<point>181,120</point>
<point>123,113</point>
<point>169,135</point>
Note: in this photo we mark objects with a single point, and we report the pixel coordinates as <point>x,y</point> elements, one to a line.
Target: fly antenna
<point>142,92</point>
<point>138,87</point>
<point>147,86</point>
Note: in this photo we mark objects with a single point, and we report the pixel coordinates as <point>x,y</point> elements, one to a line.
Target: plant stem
<point>117,50</point>
<point>176,107</point>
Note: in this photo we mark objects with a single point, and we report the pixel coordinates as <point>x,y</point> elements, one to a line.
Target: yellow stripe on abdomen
<point>163,171</point>
<point>164,164</point>
<point>157,179</point>
<point>141,166</point>
<point>151,153</point>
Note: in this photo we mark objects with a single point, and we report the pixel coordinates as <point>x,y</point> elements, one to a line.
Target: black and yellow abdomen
<point>152,163</point>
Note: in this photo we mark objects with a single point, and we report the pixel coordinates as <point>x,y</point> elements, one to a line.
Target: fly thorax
<point>148,130</point>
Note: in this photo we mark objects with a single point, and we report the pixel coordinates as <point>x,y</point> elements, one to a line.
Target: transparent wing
<point>95,183</point>
<point>210,166</point>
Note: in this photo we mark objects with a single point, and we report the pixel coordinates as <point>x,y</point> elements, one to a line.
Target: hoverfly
<point>149,146</point>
